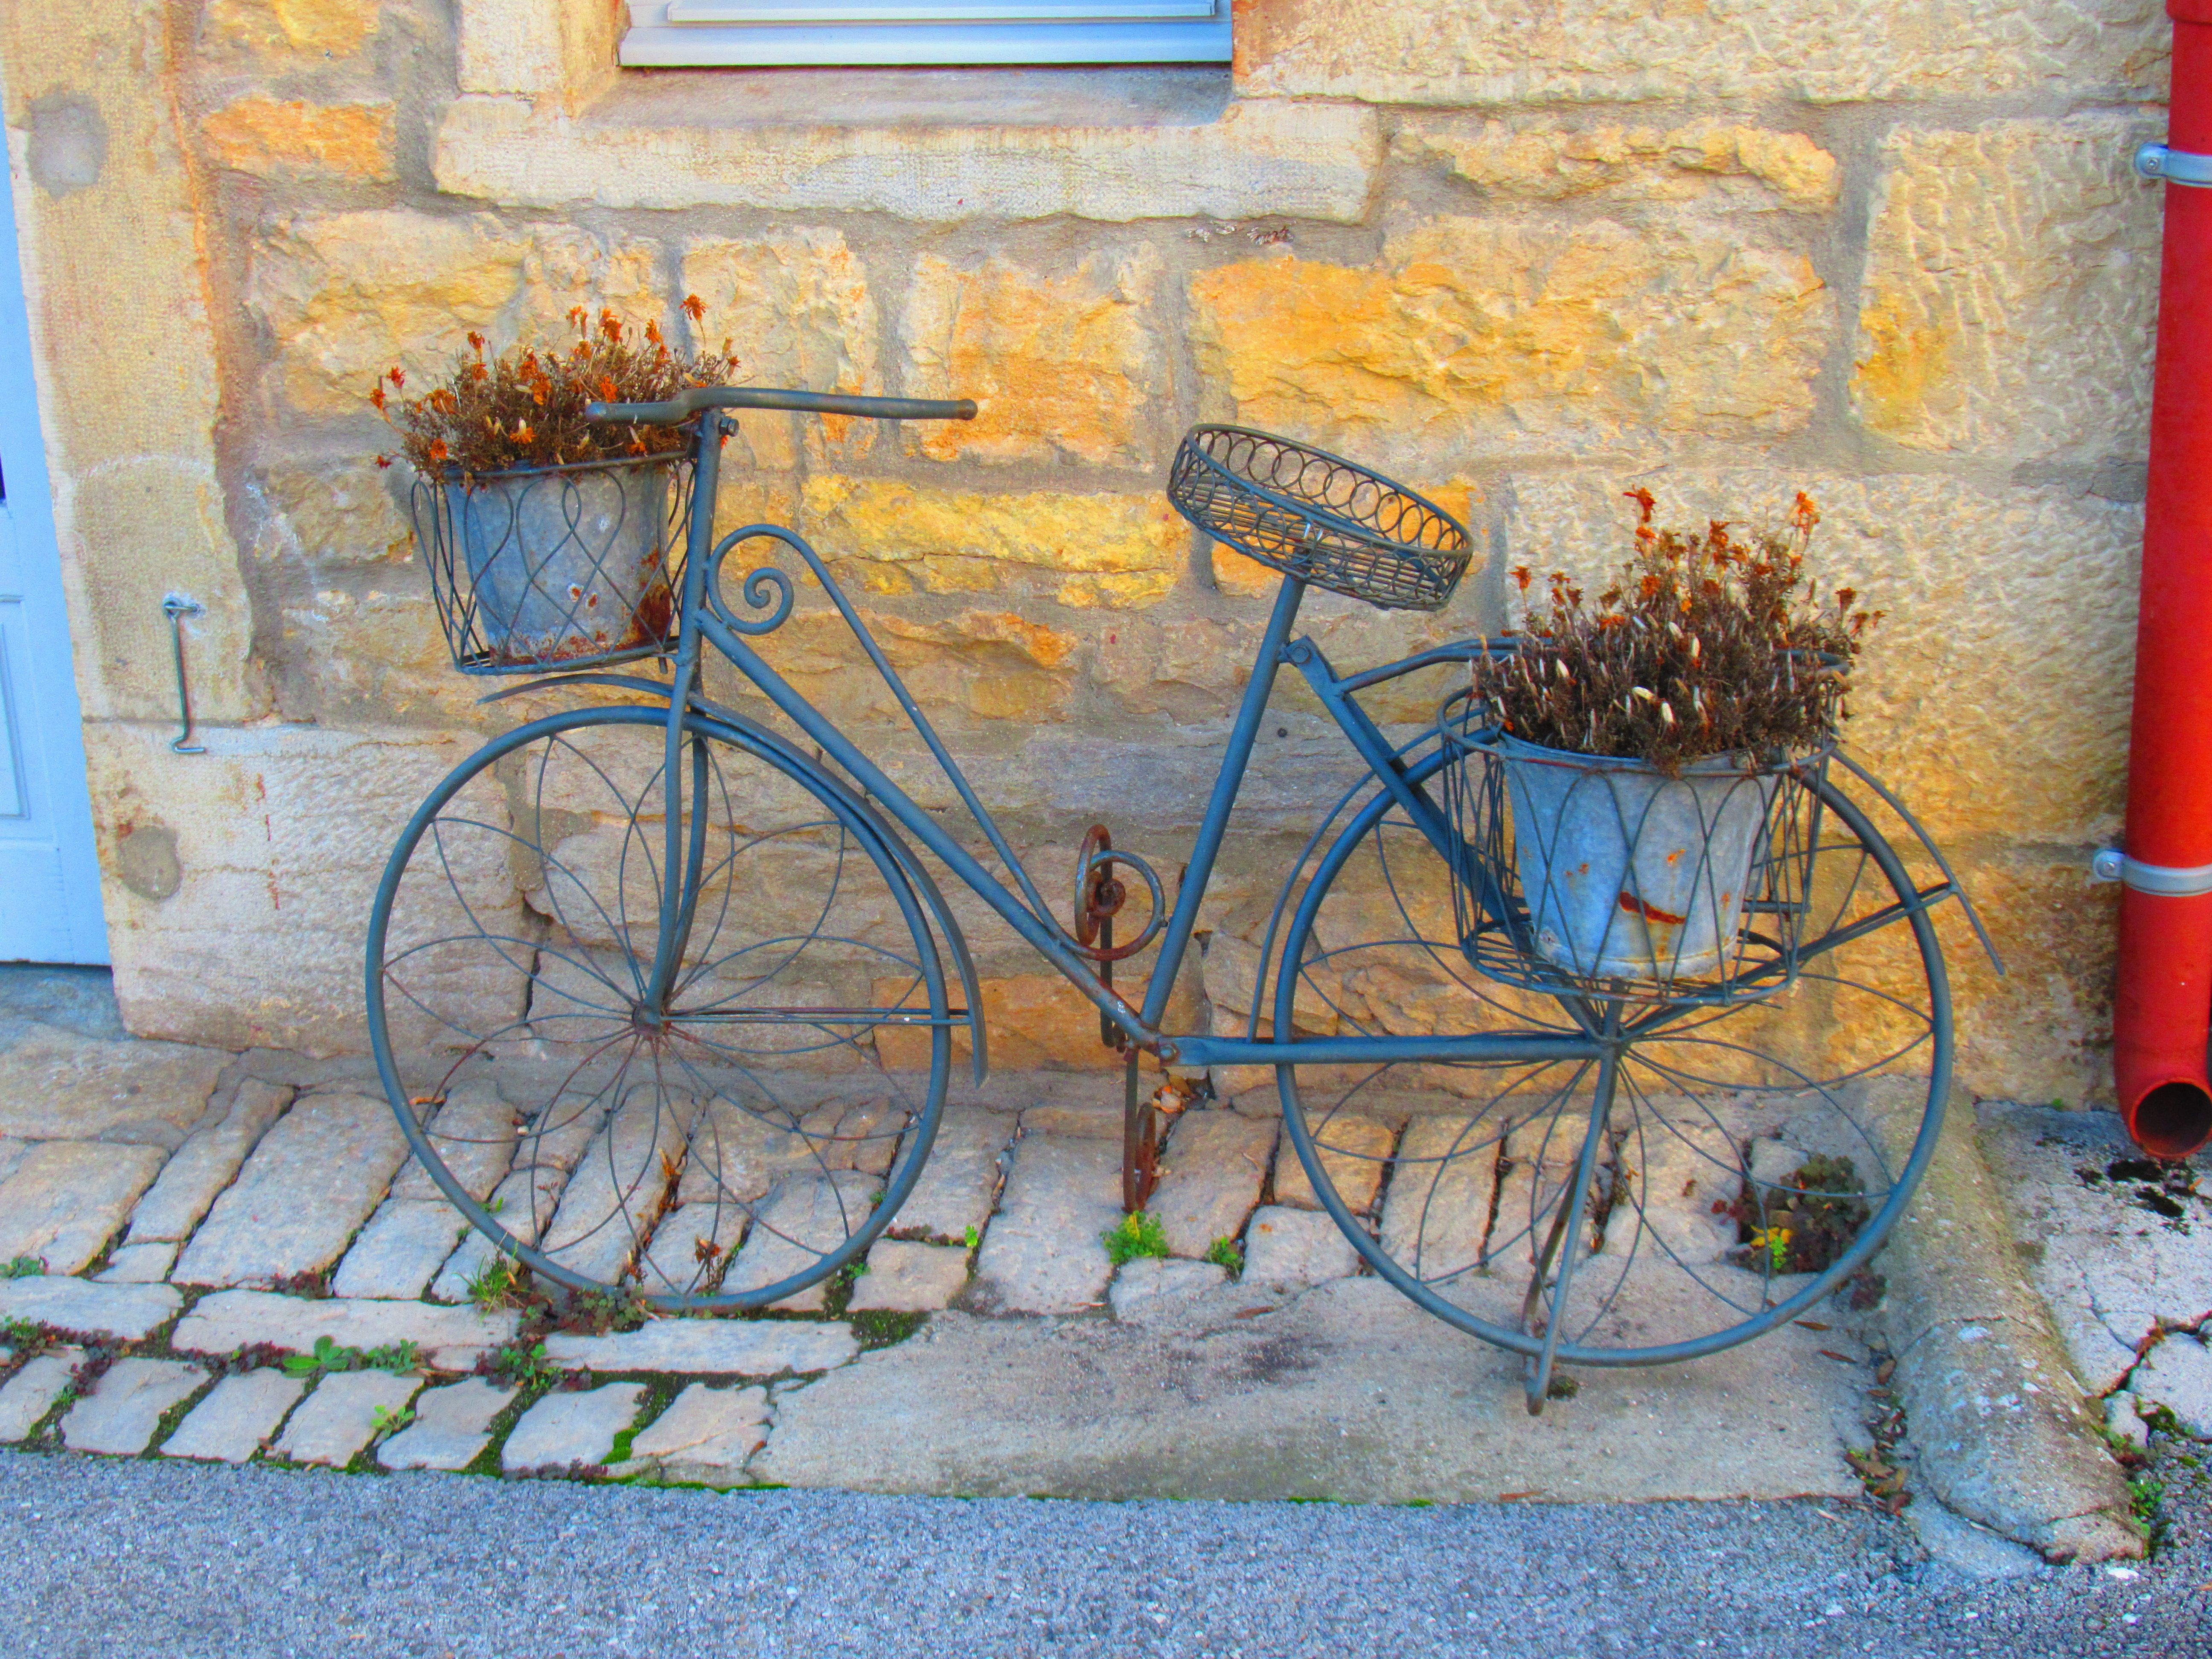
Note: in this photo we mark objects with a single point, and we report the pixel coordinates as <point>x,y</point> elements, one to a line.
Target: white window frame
<point>757,34</point>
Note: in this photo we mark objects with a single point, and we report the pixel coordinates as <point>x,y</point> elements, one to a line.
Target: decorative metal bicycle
<point>665,998</point>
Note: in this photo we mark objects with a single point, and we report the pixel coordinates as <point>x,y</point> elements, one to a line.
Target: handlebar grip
<point>686,404</point>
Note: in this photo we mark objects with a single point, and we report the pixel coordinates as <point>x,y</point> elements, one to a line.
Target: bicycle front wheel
<point>731,1141</point>
<point>1708,1173</point>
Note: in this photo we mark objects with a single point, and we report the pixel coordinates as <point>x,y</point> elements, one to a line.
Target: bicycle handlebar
<point>684,404</point>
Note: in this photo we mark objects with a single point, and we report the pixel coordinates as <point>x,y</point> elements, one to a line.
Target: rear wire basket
<point>560,566</point>
<point>1319,518</point>
<point>1520,937</point>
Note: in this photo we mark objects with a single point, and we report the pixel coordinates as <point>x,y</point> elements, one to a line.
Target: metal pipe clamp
<point>2174,166</point>
<point>2164,880</point>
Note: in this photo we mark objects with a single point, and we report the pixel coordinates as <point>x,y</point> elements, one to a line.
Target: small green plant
<point>22,1333</point>
<point>398,1358</point>
<point>2145,1495</point>
<point>23,1267</point>
<point>973,1237</point>
<point>520,1367</point>
<point>326,1356</point>
<point>1139,1235</point>
<point>1226,1252</point>
<point>496,1285</point>
<point>386,1421</point>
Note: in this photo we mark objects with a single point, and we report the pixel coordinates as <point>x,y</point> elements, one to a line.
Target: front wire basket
<point>1318,516</point>
<point>557,567</point>
<point>1609,880</point>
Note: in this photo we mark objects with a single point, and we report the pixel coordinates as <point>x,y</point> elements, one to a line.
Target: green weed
<point>1226,1252</point>
<point>23,1267</point>
<point>1139,1235</point>
<point>973,1237</point>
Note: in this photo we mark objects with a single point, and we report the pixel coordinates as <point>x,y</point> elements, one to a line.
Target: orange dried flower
<point>694,308</point>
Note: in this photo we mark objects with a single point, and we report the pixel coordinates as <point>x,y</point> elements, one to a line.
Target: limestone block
<point>1509,51</point>
<point>1710,164</point>
<point>1437,1211</point>
<point>281,834</point>
<point>58,1085</point>
<point>1294,161</point>
<point>1516,334</point>
<point>2011,291</point>
<point>309,29</point>
<point>272,139</point>
<point>140,1264</point>
<point>1293,1247</point>
<point>400,1250</point>
<point>122,1312</point>
<point>704,1436</point>
<point>908,1278</point>
<point>1210,1178</point>
<point>1354,1150</point>
<point>1043,1253</point>
<point>11,1154</point>
<point>621,1186</point>
<point>342,1416</point>
<point>688,1247</point>
<point>451,1425</point>
<point>1965,702</point>
<point>1150,1286</point>
<point>803,1220</point>
<point>206,1164</point>
<point>739,1152</point>
<point>1082,551</point>
<point>960,1180</point>
<point>474,1135</point>
<point>126,1407</point>
<point>451,1339</point>
<point>238,1417</point>
<point>564,1429</point>
<point>710,1348</point>
<point>350,296</point>
<point>30,1394</point>
<point>68,1198</point>
<point>2178,1375</point>
<point>1065,366</point>
<point>332,513</point>
<point>798,307</point>
<point>1676,1166</point>
<point>303,1194</point>
<point>1077,1119</point>
<point>1033,1022</point>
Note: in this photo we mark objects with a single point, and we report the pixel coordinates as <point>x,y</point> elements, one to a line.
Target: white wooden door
<point>49,875</point>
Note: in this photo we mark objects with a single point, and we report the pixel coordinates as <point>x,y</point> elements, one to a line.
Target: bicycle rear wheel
<point>732,1144</point>
<point>1714,1172</point>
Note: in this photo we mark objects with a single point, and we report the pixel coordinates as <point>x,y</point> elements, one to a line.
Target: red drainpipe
<point>2162,1006</point>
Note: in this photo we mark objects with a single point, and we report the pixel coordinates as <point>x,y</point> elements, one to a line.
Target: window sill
<point>909,98</point>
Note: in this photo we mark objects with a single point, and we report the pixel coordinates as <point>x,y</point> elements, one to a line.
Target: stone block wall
<point>1524,256</point>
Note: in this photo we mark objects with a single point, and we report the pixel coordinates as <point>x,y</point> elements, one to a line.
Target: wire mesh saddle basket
<point>1610,878</point>
<point>559,565</point>
<point>1318,516</point>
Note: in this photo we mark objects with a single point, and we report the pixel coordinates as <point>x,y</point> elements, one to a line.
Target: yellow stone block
<point>1065,366</point>
<point>994,664</point>
<point>1103,549</point>
<point>1712,164</point>
<point>335,513</point>
<point>321,28</point>
<point>269,139</point>
<point>797,310</point>
<point>1512,332</point>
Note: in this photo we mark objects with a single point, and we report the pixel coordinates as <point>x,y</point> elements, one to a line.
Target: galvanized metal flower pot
<point>1628,871</point>
<point>565,565</point>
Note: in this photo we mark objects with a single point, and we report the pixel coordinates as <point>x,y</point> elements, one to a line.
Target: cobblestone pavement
<point>221,1260</point>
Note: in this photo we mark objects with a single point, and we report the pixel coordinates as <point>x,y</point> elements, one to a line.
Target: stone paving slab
<point>2177,1374</point>
<point>795,1226</point>
<point>30,1394</point>
<point>909,1277</point>
<point>672,1259</point>
<point>709,1347</point>
<point>1345,1392</point>
<point>68,1198</point>
<point>238,1417</point>
<point>619,1187</point>
<point>401,1249</point>
<point>140,1264</point>
<point>1354,1150</point>
<point>302,1194</point>
<point>1043,1254</point>
<point>1296,1248</point>
<point>706,1436</point>
<point>1151,1286</point>
<point>340,1417</point>
<point>474,1136</point>
<point>11,1154</point>
<point>61,1086</point>
<point>2113,1265</point>
<point>124,1313</point>
<point>565,1429</point>
<point>1076,1119</point>
<point>452,1339</point>
<point>1437,1211</point>
<point>452,1426</point>
<point>1210,1178</point>
<point>960,1181</point>
<point>126,1407</point>
<point>512,1206</point>
<point>207,1162</point>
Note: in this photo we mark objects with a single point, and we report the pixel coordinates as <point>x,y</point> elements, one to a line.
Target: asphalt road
<point>107,1556</point>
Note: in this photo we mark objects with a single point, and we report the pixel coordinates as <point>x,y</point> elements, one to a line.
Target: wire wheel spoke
<point>733,1142</point>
